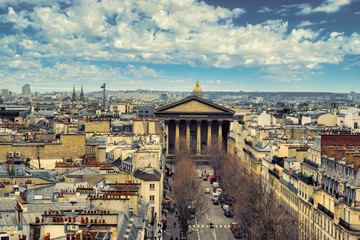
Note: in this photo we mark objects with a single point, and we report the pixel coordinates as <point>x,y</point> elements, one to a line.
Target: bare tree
<point>259,211</point>
<point>187,192</point>
<point>256,205</point>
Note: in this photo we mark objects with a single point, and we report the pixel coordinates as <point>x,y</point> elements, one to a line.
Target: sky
<point>228,45</point>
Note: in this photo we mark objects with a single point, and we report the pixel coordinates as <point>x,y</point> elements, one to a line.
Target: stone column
<point>220,139</point>
<point>177,135</point>
<point>209,122</point>
<point>167,136</point>
<point>198,138</point>
<point>188,134</point>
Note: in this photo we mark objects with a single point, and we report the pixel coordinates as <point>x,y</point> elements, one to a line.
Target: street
<point>201,230</point>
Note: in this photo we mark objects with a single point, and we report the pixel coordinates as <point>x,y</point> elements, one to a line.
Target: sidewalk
<point>171,231</point>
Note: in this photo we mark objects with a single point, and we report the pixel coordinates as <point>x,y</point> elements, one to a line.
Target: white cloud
<point>264,10</point>
<point>304,24</point>
<point>169,32</point>
<point>328,6</point>
<point>214,81</point>
<point>141,71</point>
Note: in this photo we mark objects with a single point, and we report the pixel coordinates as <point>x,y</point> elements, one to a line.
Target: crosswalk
<point>199,226</point>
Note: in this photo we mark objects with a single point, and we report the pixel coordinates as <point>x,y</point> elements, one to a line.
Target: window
<point>152,198</point>
<point>152,186</point>
<point>355,125</point>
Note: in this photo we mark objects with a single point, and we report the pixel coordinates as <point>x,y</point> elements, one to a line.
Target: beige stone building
<point>45,155</point>
<point>194,124</point>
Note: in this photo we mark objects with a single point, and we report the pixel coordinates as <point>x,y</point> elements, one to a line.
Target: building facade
<point>194,124</point>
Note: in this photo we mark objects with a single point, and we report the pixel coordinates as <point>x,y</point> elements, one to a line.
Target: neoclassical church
<point>195,124</point>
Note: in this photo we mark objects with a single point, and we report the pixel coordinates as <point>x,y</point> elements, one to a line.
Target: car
<point>215,195</point>
<point>218,190</point>
<point>205,177</point>
<point>237,235</point>
<point>215,201</point>
<point>228,213</point>
<point>234,226</point>
<point>207,190</point>
<point>215,185</point>
<point>226,207</point>
<point>225,199</point>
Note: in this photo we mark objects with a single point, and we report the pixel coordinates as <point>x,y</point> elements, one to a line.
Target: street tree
<point>187,193</point>
<point>257,207</point>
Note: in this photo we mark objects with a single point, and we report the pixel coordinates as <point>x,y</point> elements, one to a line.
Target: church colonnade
<point>194,135</point>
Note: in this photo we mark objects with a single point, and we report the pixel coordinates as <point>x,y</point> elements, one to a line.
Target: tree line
<point>255,204</point>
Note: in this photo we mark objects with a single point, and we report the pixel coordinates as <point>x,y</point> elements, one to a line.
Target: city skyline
<point>226,45</point>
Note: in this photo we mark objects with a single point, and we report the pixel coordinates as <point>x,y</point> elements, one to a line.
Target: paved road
<point>201,229</point>
<point>215,215</point>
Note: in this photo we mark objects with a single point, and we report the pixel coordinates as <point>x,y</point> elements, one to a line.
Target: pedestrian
<point>176,238</point>
<point>174,224</point>
<point>171,238</point>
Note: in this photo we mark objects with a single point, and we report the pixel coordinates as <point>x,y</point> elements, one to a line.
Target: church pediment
<point>193,105</point>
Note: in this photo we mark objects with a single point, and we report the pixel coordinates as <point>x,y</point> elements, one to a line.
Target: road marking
<point>211,230</point>
<point>202,226</point>
<point>220,226</point>
<point>216,226</point>
<point>198,226</point>
<point>207,217</point>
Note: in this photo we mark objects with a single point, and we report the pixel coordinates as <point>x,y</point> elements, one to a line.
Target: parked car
<point>218,190</point>
<point>237,235</point>
<point>215,201</point>
<point>228,213</point>
<point>234,226</point>
<point>207,190</point>
<point>225,199</point>
<point>212,179</point>
<point>215,195</point>
<point>226,207</point>
<point>215,185</point>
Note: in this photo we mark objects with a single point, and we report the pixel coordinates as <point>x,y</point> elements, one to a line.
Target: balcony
<point>310,163</point>
<point>344,224</point>
<point>348,226</point>
<point>326,211</point>
<point>274,174</point>
<point>306,179</point>
<point>248,143</point>
<point>251,155</point>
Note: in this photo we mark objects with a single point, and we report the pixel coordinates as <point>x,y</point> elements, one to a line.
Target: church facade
<point>194,124</point>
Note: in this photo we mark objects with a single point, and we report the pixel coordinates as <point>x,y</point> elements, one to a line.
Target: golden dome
<point>197,91</point>
<point>197,88</point>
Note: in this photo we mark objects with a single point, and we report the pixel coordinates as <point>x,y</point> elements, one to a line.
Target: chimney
<point>19,213</point>
<point>10,167</point>
<point>47,236</point>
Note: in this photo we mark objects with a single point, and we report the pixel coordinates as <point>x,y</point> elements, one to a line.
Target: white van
<point>215,185</point>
